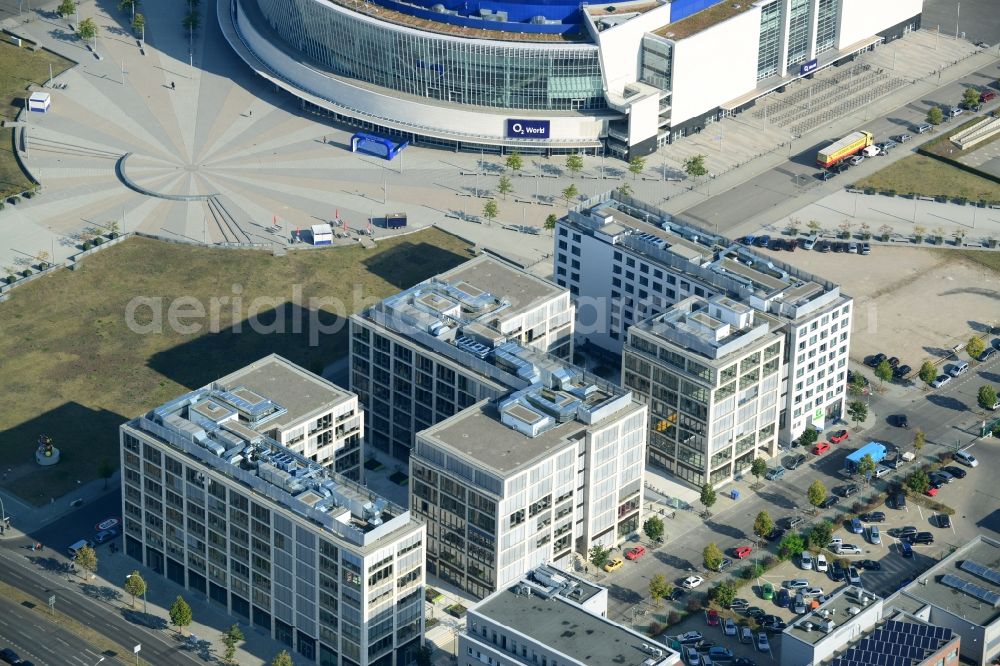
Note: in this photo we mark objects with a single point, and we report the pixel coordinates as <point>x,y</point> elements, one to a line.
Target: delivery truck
<point>838,151</point>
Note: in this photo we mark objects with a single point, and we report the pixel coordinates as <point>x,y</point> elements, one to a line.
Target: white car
<point>729,627</point>
<point>821,563</point>
<point>940,381</point>
<point>848,549</point>
<point>797,584</point>
<point>692,582</point>
<point>874,536</point>
<point>806,561</point>
<point>812,592</point>
<point>834,544</point>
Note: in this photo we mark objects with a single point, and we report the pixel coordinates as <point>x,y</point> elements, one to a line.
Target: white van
<point>810,242</point>
<point>958,369</point>
<point>966,458</point>
<point>77,546</point>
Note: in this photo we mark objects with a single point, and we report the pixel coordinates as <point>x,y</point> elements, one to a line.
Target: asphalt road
<point>44,643</point>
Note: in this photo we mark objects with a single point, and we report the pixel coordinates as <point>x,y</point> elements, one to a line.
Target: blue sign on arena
<point>527,129</point>
<point>808,67</point>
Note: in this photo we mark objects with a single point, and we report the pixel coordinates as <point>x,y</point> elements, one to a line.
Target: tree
<point>570,193</point>
<point>763,525</point>
<point>918,481</point>
<point>808,437</point>
<point>934,116</point>
<point>87,30</point>
<point>180,614</point>
<point>707,497</point>
<point>814,226</point>
<point>599,555</point>
<point>285,659</point>
<point>845,229</point>
<point>636,166</point>
<point>490,210</point>
<point>857,410</point>
<point>866,466</point>
<point>514,161</point>
<point>105,471</point>
<point>694,166</point>
<point>230,638</point>
<point>65,8</point>
<point>820,534</point>
<point>987,397</point>
<point>86,559</point>
<point>191,21</point>
<point>974,347</point>
<point>550,221</point>
<point>139,25</point>
<point>711,557</point>
<point>816,492</point>
<point>857,385</point>
<point>653,527</point>
<point>659,588</point>
<point>970,97</point>
<point>504,186</point>
<point>135,585</point>
<point>928,371</point>
<point>723,594</point>
<point>126,5</point>
<point>574,164</point>
<point>758,468</point>
<point>883,372</point>
<point>625,189</point>
<point>791,546</point>
<point>918,440</point>
<point>884,231</point>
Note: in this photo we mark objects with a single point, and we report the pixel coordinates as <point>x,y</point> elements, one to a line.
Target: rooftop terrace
<point>222,428</point>
<point>705,19</point>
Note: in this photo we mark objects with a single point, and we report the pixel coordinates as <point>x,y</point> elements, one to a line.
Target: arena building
<point>549,76</point>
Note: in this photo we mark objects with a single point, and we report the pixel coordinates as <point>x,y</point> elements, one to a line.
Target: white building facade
<point>281,543</point>
<point>640,262</point>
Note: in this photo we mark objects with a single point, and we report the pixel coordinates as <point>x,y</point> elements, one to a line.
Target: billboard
<point>808,67</point>
<point>527,129</point>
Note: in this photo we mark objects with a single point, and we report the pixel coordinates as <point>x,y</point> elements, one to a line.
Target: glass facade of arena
<point>798,31</point>
<point>826,26</point>
<point>657,61</point>
<point>463,71</point>
<point>769,51</point>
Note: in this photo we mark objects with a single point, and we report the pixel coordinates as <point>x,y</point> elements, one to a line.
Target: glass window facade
<point>798,31</point>
<point>769,51</point>
<point>826,28</point>
<point>657,61</point>
<point>484,73</point>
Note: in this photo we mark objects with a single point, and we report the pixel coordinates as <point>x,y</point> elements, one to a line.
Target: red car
<point>986,96</point>
<point>821,448</point>
<point>742,552</point>
<point>712,617</point>
<point>635,553</point>
<point>931,492</point>
<point>838,437</point>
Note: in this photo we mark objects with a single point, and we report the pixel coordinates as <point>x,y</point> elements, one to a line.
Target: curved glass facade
<point>476,72</point>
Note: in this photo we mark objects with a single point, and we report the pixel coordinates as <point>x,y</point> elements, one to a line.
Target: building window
<point>769,46</point>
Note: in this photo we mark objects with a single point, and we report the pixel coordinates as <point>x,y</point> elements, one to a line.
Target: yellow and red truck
<point>839,151</point>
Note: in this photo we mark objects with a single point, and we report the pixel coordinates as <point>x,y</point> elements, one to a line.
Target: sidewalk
<point>27,517</point>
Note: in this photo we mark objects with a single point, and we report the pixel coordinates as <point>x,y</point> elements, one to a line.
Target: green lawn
<point>71,368</point>
<point>19,68</point>
<point>930,177</point>
<point>990,260</point>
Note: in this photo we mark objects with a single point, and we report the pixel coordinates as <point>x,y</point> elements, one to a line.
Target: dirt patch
<point>909,302</point>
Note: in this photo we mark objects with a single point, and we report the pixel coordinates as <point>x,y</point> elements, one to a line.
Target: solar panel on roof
<point>980,570</point>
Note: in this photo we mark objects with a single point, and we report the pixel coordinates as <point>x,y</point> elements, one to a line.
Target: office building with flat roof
<point>710,371</point>
<point>430,351</point>
<point>552,617</point>
<point>962,593</point>
<point>283,543</point>
<point>641,262</point>
<point>545,472</point>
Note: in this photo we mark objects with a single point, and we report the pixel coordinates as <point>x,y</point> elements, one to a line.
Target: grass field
<point>930,177</point>
<point>71,367</point>
<point>990,260</point>
<point>19,68</point>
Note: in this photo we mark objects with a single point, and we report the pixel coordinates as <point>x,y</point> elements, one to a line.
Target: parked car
<point>691,656</point>
<point>614,564</point>
<point>905,549</point>
<point>724,564</point>
<point>923,538</point>
<point>923,128</point>
<point>853,576</point>
<point>866,248</point>
<point>692,582</point>
<point>776,534</point>
<point>966,458</point>
<point>940,381</point>
<point>958,369</point>
<point>755,612</point>
<point>820,448</point>
<point>837,572</point>
<point>720,654</point>
<point>874,537</point>
<point>794,461</point>
<point>943,520</point>
<point>762,644</point>
<point>873,361</point>
<point>813,591</point>
<point>635,553</point>
<point>746,635</point>
<point>870,565</point>
<point>903,532</point>
<point>901,371</point>
<point>900,420</point>
<point>932,491</point>
<point>838,437</point>
<point>799,604</point>
<point>782,598</point>
<point>856,160</point>
<point>956,472</point>
<point>729,627</point>
<point>825,175</point>
<point>775,626</point>
<point>856,526</point>
<point>767,592</point>
<point>821,563</point>
<point>873,517</point>
<point>806,561</point>
<point>791,522</point>
<point>902,138</point>
<point>848,549</point>
<point>847,490</point>
<point>775,473</point>
<point>742,552</point>
<point>106,535</point>
<point>712,617</point>
<point>796,584</point>
<point>762,241</point>
<point>689,638</point>
<point>897,501</point>
<point>9,656</point>
<point>986,96</point>
<point>739,604</point>
<point>828,502</point>
<point>987,354</point>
